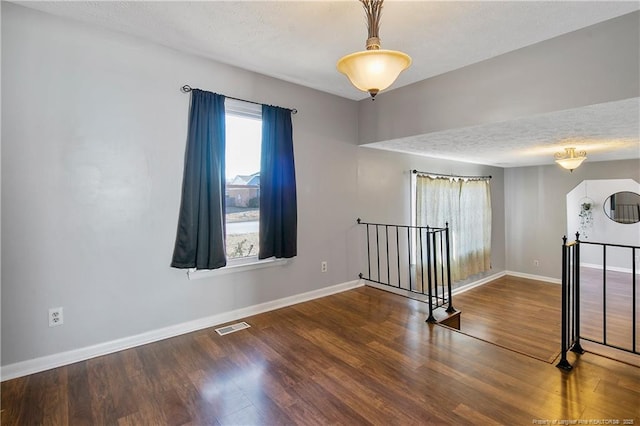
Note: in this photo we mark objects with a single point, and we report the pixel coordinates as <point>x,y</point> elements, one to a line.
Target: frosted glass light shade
<point>373,70</point>
<point>571,163</point>
<point>570,159</point>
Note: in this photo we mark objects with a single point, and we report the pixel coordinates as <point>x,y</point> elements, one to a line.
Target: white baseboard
<point>425,298</point>
<point>534,277</point>
<point>466,287</point>
<point>478,283</point>
<point>23,368</point>
<point>399,291</point>
<point>609,268</point>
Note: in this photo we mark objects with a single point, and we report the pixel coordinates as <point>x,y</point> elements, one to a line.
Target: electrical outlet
<point>536,263</point>
<point>323,266</point>
<point>55,317</point>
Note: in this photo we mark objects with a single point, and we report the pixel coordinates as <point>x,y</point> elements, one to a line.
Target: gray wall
<point>596,64</point>
<point>384,191</point>
<point>93,139</point>
<point>536,211</point>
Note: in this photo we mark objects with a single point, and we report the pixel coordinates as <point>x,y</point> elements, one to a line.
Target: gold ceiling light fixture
<point>570,159</point>
<point>374,69</point>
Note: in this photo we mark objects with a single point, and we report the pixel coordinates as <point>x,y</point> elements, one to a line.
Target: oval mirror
<point>623,207</point>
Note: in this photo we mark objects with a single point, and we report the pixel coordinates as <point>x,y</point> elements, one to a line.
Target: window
<point>201,240</point>
<point>466,205</point>
<point>243,122</point>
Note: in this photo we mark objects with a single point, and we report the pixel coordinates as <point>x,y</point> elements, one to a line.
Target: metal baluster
<point>604,294</point>
<point>409,248</point>
<point>633,271</point>
<point>441,240</point>
<point>422,260</point>
<point>368,253</point>
<point>577,348</point>
<point>386,233</point>
<point>572,299</point>
<point>435,266</point>
<point>398,255</point>
<point>428,267</point>
<point>378,250</point>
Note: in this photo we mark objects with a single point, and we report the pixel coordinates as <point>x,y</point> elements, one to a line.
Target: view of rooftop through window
<point>242,156</point>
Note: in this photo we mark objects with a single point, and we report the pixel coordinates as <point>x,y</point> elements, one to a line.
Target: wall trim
<point>23,368</point>
<point>395,290</point>
<point>478,283</point>
<point>534,277</point>
<point>609,268</point>
<point>466,287</point>
<point>424,298</point>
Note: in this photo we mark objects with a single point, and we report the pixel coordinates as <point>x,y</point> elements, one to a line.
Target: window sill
<point>234,266</point>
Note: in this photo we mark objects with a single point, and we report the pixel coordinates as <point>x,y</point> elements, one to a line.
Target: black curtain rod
<point>452,176</point>
<point>186,89</point>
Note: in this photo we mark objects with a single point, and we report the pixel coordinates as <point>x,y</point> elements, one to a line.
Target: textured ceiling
<point>533,140</point>
<point>300,42</point>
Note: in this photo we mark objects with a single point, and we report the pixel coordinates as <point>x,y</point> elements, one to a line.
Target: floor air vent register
<point>232,328</point>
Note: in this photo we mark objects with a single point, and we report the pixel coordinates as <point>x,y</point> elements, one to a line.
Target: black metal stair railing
<point>415,259</point>
<point>571,334</point>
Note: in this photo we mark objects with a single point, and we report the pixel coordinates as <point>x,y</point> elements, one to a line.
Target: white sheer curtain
<point>466,206</point>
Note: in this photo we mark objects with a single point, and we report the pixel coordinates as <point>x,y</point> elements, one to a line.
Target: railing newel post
<point>450,309</point>
<point>430,318</point>
<point>576,347</point>
<point>564,363</point>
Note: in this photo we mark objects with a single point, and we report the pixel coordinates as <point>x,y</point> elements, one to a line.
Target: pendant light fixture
<point>570,159</point>
<point>374,69</point>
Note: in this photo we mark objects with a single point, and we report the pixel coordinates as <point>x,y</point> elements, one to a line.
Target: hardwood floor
<point>524,315</point>
<point>364,356</point>
<point>516,313</point>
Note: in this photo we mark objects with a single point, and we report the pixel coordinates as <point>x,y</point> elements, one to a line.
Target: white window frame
<point>239,265</point>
